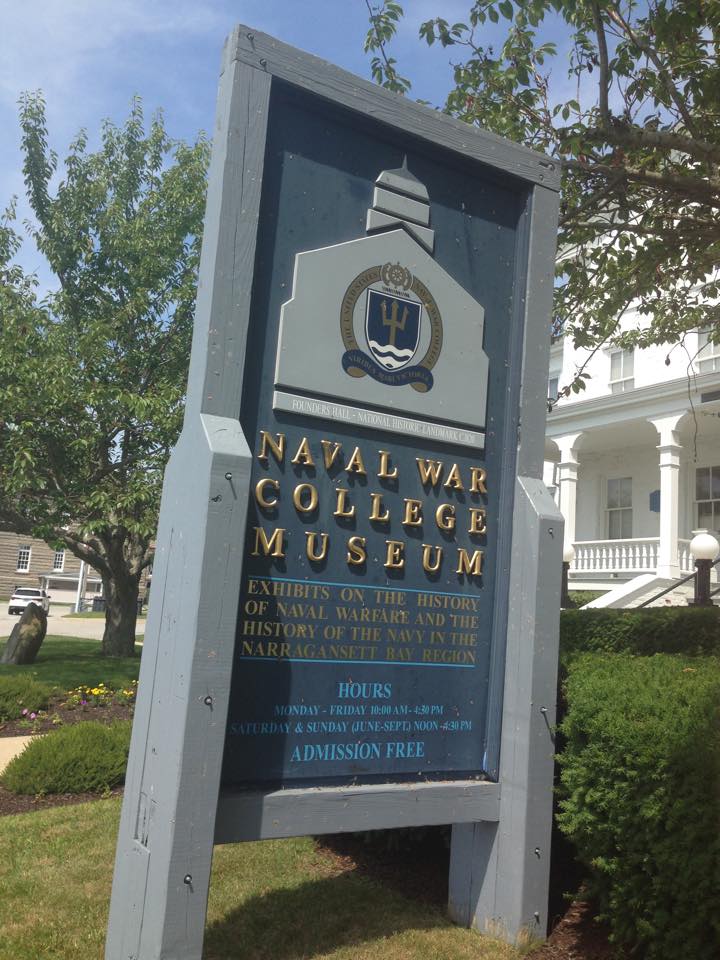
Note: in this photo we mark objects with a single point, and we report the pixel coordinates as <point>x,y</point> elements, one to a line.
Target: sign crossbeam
<point>290,813</point>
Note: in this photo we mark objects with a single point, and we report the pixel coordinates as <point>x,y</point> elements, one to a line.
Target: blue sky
<point>89,57</point>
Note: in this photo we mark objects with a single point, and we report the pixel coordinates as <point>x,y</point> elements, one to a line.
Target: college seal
<point>388,306</point>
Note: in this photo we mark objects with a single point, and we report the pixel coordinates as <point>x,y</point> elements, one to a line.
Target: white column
<point>670,450</point>
<point>567,482</point>
<point>82,578</point>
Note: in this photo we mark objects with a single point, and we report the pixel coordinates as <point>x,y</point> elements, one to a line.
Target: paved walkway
<point>10,747</point>
<point>59,625</point>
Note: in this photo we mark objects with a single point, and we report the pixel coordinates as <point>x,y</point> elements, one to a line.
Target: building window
<point>58,561</point>
<point>23,559</point>
<point>553,388</point>
<point>622,371</point>
<point>619,508</point>
<point>707,497</point>
<point>708,358</point>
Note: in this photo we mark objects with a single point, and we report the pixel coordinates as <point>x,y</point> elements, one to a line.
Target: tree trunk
<point>121,596</point>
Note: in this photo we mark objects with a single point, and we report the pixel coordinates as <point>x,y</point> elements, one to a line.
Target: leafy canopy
<point>634,118</point>
<point>92,375</point>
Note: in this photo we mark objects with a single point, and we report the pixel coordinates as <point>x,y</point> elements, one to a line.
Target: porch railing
<point>687,564</point>
<point>636,555</point>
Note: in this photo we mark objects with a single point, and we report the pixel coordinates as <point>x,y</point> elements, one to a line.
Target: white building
<point>635,458</point>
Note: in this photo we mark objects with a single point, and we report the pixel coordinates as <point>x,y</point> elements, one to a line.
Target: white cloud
<point>50,44</point>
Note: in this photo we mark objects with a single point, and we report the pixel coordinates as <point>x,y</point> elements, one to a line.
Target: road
<point>60,625</point>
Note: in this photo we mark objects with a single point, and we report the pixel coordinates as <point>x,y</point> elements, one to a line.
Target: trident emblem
<point>392,326</point>
<point>392,320</point>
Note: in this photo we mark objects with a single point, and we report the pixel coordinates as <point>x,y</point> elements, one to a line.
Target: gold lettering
<point>477,520</point>
<point>478,475</point>
<point>303,455</point>
<point>413,513</point>
<point>311,545</point>
<point>454,482</point>
<point>330,451</point>
<point>355,463</point>
<point>375,513</point>
<point>445,516</point>
<point>430,471</point>
<point>272,547</point>
<point>356,551</point>
<point>298,494</point>
<point>341,507</point>
<point>384,472</point>
<point>394,559</point>
<point>472,566</point>
<point>260,492</point>
<point>278,449</point>
<point>431,567</point>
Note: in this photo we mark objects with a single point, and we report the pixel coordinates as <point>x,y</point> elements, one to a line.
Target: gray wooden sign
<point>355,600</point>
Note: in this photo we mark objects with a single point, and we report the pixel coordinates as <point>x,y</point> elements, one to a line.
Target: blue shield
<point>392,326</point>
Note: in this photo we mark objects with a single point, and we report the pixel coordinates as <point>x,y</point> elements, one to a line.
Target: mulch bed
<point>57,715</point>
<point>46,722</point>
<point>417,870</point>
<point>11,803</point>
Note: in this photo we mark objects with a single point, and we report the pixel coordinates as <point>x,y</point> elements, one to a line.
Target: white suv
<point>22,596</point>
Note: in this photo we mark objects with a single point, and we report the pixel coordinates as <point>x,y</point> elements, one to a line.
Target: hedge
<point>693,631</point>
<point>86,757</point>
<point>578,598</point>
<point>640,782</point>
<point>21,695</point>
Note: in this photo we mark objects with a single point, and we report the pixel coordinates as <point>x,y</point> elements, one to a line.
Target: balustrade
<point>636,555</point>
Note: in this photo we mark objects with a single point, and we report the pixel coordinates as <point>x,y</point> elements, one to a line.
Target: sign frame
<point>173,810</point>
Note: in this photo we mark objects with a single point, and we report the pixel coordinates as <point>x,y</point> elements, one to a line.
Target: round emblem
<point>386,317</point>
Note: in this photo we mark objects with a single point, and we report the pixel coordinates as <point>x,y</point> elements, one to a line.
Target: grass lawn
<point>277,900</point>
<point>67,662</point>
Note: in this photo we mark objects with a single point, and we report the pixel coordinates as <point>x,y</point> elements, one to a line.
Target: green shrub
<point>640,781</point>
<point>578,598</point>
<point>21,693</point>
<point>85,757</point>
<point>693,631</point>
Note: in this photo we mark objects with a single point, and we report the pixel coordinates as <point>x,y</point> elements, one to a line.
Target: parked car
<point>22,596</point>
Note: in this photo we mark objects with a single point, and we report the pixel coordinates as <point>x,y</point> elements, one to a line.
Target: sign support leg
<point>165,843</point>
<point>499,872</point>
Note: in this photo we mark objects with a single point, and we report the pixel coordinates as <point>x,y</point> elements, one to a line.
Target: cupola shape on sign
<point>376,324</point>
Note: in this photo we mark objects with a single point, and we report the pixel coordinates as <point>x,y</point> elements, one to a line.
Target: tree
<point>637,132</point>
<point>92,376</point>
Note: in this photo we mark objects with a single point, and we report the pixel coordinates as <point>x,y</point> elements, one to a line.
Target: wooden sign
<point>355,601</point>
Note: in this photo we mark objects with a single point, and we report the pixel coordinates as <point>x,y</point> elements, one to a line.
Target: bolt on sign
<point>356,591</point>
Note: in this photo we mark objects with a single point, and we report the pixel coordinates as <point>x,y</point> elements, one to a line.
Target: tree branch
<point>378,38</point>
<point>13,522</point>
<point>622,134</point>
<point>706,190</point>
<point>652,55</point>
<point>603,54</point>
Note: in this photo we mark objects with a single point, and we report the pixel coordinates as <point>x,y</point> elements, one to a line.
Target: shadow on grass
<point>413,861</point>
<point>315,918</point>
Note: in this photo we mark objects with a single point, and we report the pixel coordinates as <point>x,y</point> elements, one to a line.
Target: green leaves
<point>633,112</point>
<point>384,20</point>
<point>92,379</point>
<point>640,779</point>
